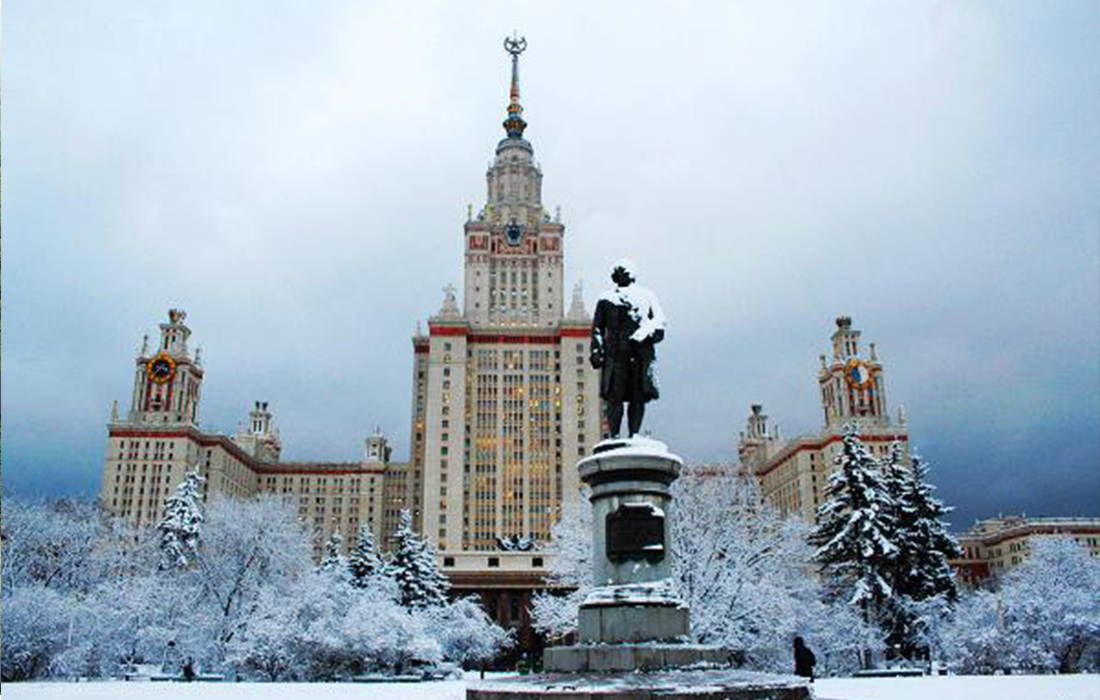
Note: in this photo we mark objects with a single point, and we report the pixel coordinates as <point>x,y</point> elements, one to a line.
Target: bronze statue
<point>627,324</point>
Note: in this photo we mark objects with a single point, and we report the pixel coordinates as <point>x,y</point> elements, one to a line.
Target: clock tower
<point>852,384</point>
<point>168,378</point>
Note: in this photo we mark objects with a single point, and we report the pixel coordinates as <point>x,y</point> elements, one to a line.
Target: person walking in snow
<point>804,659</point>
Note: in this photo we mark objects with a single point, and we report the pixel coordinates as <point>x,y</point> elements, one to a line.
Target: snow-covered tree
<point>742,568</point>
<point>33,633</point>
<point>333,559</point>
<point>465,633</point>
<point>297,633</point>
<point>48,544</point>
<point>856,528</point>
<point>180,528</point>
<point>1043,618</point>
<point>924,541</point>
<point>387,635</point>
<point>412,565</point>
<point>364,561</point>
<point>921,577</point>
<point>248,545</point>
<point>569,576</point>
<point>77,601</point>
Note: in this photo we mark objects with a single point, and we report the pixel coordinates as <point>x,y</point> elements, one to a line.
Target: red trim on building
<point>420,348</point>
<point>276,470</point>
<point>287,469</point>
<point>151,433</point>
<point>515,339</point>
<point>575,332</point>
<point>505,338</point>
<point>449,330</point>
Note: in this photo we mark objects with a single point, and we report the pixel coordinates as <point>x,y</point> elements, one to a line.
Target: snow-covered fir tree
<point>856,529</point>
<point>925,542</point>
<point>363,560</point>
<point>920,572</point>
<point>333,559</point>
<point>412,566</point>
<point>180,529</point>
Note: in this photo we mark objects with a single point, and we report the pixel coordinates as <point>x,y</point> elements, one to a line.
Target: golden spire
<point>514,124</point>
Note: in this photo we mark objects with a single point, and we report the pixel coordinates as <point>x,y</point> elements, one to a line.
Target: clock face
<point>161,369</point>
<point>858,374</point>
<point>514,232</point>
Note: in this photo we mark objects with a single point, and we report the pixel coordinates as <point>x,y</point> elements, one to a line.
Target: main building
<point>504,404</point>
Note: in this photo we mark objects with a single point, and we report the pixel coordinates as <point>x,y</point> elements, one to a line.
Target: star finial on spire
<point>514,124</point>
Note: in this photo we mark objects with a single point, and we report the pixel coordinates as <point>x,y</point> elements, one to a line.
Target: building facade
<point>504,399</point>
<point>152,447</point>
<point>996,545</point>
<point>504,403</point>
<point>852,386</point>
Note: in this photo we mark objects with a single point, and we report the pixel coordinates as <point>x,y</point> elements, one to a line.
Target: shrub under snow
<point>83,595</point>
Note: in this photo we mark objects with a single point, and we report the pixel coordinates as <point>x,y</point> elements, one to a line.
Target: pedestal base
<point>581,658</point>
<point>673,685</point>
<point>616,624</point>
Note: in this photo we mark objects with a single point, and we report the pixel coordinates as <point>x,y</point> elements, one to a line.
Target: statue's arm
<point>652,328</point>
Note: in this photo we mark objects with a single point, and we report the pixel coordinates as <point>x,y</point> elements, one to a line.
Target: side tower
<point>260,439</point>
<point>793,473</point>
<point>852,385</point>
<point>167,380</point>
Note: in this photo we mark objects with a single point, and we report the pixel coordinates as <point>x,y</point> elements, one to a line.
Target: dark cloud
<point>296,175</point>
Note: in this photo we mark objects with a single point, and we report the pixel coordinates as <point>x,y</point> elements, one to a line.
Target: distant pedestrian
<point>804,659</point>
<point>189,671</point>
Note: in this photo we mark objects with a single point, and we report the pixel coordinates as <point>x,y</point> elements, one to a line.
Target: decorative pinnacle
<point>514,124</point>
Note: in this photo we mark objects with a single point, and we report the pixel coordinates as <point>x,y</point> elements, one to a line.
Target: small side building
<point>996,545</point>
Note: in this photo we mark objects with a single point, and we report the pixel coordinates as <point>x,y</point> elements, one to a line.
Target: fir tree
<point>333,559</point>
<point>413,567</point>
<point>855,530</point>
<point>363,560</point>
<point>926,544</point>
<point>180,529</point>
<point>897,617</point>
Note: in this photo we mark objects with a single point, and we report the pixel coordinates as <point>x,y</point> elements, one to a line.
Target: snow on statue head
<point>624,272</point>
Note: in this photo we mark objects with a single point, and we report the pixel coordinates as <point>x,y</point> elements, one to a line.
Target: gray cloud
<point>295,175</point>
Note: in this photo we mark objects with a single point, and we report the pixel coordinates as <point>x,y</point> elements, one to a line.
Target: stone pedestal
<point>633,628</point>
<point>633,618</point>
<point>715,684</point>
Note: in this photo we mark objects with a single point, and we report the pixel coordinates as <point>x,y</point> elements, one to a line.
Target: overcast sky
<point>296,174</point>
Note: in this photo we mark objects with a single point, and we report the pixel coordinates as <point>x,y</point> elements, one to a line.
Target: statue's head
<point>624,273</point>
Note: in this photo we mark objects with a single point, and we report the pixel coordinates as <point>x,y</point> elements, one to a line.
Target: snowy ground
<point>961,688</point>
<point>934,688</point>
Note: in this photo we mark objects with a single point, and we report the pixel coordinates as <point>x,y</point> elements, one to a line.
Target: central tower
<point>513,248</point>
<point>504,400</point>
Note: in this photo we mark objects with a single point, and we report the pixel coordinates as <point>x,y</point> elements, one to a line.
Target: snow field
<point>1074,687</point>
<point>111,690</point>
